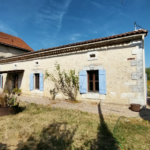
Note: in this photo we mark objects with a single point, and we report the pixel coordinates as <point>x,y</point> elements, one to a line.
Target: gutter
<point>144,75</point>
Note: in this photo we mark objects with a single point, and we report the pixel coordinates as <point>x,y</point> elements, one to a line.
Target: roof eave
<point>36,54</point>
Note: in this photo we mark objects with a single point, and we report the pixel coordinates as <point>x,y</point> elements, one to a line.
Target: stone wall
<point>124,78</point>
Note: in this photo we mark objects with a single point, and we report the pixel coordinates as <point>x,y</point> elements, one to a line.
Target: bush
<point>17,91</point>
<point>67,83</point>
<point>8,100</point>
<point>148,93</point>
<point>148,88</point>
<point>148,73</point>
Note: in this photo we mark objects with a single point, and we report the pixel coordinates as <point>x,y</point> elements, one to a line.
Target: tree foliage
<point>67,83</point>
<point>148,73</point>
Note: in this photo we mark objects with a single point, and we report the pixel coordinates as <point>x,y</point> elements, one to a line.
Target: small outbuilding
<point>11,45</point>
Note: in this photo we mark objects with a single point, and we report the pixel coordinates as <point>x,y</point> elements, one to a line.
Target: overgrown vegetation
<point>65,82</point>
<point>17,91</point>
<point>148,73</point>
<point>42,127</point>
<point>8,100</point>
<point>148,82</point>
<point>148,88</point>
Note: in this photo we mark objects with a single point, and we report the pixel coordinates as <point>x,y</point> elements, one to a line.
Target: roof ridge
<point>120,34</point>
<point>14,41</point>
<point>9,34</point>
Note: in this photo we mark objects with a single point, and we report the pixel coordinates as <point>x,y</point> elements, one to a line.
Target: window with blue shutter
<point>41,82</point>
<point>83,81</point>
<point>31,82</point>
<point>102,81</point>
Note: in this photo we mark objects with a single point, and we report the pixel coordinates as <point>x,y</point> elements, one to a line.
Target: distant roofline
<point>100,42</point>
<point>29,50</point>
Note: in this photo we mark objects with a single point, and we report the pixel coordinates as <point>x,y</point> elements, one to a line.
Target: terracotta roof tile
<point>13,41</point>
<point>55,50</point>
<point>100,39</point>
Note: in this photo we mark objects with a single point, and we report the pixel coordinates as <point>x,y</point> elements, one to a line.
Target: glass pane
<point>96,76</point>
<point>97,86</point>
<point>91,86</point>
<point>91,76</point>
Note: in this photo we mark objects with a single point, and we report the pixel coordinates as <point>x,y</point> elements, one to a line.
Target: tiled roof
<point>13,41</point>
<point>140,31</point>
<point>125,37</point>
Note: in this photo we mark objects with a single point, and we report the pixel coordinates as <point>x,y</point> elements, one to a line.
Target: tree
<point>67,83</point>
<point>148,73</point>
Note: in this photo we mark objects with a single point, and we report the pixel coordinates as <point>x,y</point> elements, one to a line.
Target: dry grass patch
<point>40,127</point>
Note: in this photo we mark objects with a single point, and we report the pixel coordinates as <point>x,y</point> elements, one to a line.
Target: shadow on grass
<point>3,146</point>
<point>145,112</point>
<point>57,136</point>
<point>20,109</point>
<point>105,139</point>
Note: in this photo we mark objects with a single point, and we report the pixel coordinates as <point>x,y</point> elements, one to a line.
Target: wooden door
<point>16,81</point>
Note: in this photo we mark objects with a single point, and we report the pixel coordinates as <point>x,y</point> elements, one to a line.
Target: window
<point>92,55</point>
<point>93,81</point>
<point>36,81</point>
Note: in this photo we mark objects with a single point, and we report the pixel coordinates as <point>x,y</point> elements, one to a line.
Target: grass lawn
<point>44,128</point>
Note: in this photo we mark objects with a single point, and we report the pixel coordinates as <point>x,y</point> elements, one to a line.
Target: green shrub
<point>8,100</point>
<point>17,91</point>
<point>65,82</point>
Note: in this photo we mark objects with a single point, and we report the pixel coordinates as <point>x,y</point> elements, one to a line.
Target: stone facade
<point>7,51</point>
<point>124,77</point>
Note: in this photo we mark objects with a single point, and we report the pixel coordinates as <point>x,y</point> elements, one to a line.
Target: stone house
<point>110,69</point>
<point>11,45</point>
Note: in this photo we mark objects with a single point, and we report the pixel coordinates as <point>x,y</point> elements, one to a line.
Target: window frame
<point>35,81</point>
<point>93,72</point>
<point>93,53</point>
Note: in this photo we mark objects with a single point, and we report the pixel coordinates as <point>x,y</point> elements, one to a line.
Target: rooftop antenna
<point>135,25</point>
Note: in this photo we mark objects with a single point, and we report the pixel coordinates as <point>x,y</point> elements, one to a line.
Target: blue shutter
<point>41,82</point>
<point>102,81</point>
<point>31,82</point>
<point>1,81</point>
<point>83,81</point>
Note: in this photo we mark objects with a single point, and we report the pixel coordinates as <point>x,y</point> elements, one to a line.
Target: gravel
<point>107,109</point>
